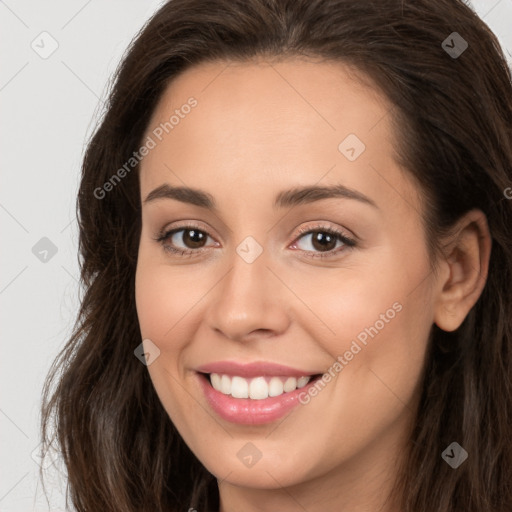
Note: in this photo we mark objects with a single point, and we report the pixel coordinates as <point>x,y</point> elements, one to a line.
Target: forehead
<point>309,98</point>
<point>271,122</point>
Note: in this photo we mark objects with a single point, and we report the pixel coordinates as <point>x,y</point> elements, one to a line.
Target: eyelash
<point>348,243</point>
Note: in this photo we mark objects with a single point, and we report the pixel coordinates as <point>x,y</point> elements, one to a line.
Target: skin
<point>259,128</point>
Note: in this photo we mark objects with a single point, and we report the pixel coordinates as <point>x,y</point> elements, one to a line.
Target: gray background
<point>49,108</point>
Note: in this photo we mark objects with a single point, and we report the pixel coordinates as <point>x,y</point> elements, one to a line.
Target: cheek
<point>161,308</point>
<point>164,297</point>
<point>379,320</point>
<point>156,306</point>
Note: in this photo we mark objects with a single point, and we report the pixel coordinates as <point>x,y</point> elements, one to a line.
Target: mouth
<point>257,388</point>
<point>254,400</point>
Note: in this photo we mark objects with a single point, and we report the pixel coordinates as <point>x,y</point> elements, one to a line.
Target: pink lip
<point>256,369</point>
<point>246,411</point>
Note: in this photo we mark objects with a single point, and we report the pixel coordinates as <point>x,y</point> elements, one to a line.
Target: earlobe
<point>466,265</point>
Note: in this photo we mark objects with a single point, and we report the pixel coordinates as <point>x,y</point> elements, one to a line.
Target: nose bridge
<point>247,298</point>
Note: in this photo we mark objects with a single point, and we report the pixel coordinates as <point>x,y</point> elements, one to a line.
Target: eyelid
<point>184,224</point>
<point>328,228</point>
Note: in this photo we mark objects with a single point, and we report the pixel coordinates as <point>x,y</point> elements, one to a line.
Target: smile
<point>257,388</point>
<point>254,393</point>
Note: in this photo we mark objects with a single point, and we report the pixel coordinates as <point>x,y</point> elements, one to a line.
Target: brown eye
<point>319,240</point>
<point>185,240</point>
<point>322,242</point>
<point>193,238</point>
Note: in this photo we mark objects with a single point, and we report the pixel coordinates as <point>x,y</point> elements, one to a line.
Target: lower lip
<point>246,411</point>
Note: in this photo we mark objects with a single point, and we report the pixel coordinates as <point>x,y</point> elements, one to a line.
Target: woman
<point>296,252</point>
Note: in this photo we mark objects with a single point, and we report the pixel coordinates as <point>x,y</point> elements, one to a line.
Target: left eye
<point>322,240</point>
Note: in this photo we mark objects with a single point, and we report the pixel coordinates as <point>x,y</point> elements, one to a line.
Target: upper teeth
<point>257,388</point>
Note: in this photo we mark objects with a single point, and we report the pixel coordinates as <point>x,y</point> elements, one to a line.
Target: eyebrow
<point>287,198</point>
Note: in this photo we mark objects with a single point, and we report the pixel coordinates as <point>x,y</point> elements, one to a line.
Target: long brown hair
<point>452,118</point>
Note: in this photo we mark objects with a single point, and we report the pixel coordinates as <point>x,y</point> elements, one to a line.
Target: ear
<point>464,270</point>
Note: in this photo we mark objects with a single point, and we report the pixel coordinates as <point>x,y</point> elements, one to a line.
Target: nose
<point>249,302</point>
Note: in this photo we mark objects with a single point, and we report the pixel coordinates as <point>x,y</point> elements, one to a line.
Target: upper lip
<point>255,369</point>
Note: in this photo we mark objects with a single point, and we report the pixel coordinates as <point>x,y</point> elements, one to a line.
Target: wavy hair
<point>452,119</point>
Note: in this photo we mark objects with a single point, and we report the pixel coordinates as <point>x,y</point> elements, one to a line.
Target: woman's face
<point>305,255</point>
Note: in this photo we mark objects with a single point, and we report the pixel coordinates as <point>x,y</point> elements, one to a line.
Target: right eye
<point>191,238</point>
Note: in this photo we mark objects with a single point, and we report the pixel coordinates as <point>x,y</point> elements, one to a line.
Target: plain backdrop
<point>57,58</point>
